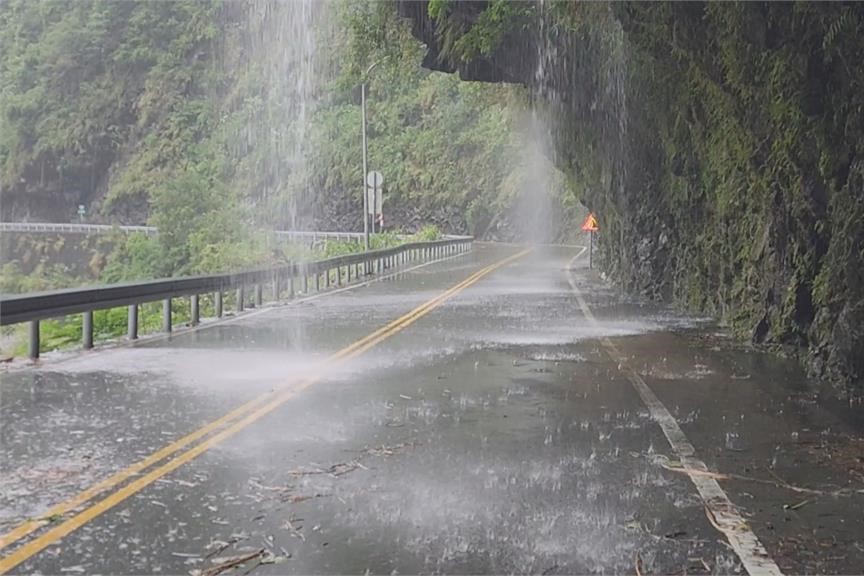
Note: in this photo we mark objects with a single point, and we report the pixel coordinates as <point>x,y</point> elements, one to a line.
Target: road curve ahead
<point>499,411</point>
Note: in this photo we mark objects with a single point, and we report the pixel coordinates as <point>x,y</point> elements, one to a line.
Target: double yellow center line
<point>239,418</point>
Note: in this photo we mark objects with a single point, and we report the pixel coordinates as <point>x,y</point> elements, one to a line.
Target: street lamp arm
<point>372,66</point>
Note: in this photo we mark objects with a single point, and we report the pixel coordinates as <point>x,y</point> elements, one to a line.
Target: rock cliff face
<point>721,146</point>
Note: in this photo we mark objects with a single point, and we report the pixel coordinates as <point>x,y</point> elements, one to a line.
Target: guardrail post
<point>217,303</point>
<point>241,296</point>
<point>305,283</point>
<point>291,286</point>
<point>339,275</point>
<point>166,315</point>
<point>87,330</point>
<point>194,310</point>
<point>327,278</point>
<point>33,349</point>
<point>259,295</point>
<point>277,287</point>
<point>132,322</point>
<point>317,281</point>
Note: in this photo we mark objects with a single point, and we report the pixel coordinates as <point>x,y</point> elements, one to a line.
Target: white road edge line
<point>581,252</point>
<point>725,516</point>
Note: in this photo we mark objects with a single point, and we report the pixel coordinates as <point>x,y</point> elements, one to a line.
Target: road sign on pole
<point>374,182</point>
<point>370,201</point>
<point>374,179</point>
<point>379,201</point>
<point>590,226</point>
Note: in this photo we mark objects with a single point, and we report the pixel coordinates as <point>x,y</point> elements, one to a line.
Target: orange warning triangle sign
<point>590,224</point>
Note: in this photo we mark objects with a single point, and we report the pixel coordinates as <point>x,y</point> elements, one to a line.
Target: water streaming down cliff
<point>282,44</point>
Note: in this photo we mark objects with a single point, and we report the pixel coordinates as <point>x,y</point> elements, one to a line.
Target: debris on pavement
<point>227,562</point>
<point>384,450</point>
<point>289,525</point>
<point>796,506</point>
<point>335,470</point>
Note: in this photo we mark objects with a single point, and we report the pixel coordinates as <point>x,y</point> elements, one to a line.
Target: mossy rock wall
<point>721,146</point>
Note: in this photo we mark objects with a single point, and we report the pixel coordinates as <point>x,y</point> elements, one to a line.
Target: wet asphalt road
<point>492,435</point>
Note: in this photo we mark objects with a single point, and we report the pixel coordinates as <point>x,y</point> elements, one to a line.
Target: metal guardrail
<point>56,303</point>
<point>310,236</point>
<point>307,236</point>
<point>316,236</point>
<point>72,228</point>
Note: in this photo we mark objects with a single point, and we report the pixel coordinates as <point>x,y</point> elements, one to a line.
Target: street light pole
<point>365,191</point>
<point>365,168</point>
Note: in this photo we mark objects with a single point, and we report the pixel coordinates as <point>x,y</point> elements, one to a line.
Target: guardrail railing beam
<point>32,308</point>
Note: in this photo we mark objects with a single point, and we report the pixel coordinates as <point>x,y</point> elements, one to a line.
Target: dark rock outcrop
<point>720,145</point>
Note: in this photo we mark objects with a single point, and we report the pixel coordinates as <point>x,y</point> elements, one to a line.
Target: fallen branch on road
<point>777,483</point>
<point>335,470</point>
<point>384,450</point>
<point>288,525</point>
<point>228,563</point>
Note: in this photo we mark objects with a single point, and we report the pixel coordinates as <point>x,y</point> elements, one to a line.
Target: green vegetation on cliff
<point>195,116</point>
<point>452,153</point>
